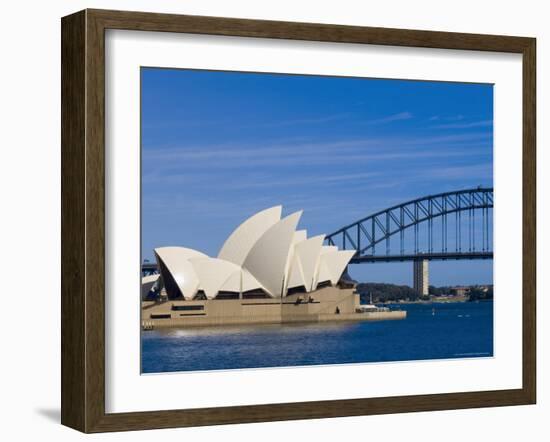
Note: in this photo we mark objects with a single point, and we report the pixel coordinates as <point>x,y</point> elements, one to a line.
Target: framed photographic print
<point>269,220</point>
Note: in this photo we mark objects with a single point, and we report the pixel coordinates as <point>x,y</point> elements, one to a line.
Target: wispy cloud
<point>391,118</point>
<point>465,125</point>
<point>471,171</point>
<point>446,118</point>
<point>472,174</point>
<point>294,147</point>
<point>322,180</point>
<point>272,123</point>
<point>179,164</point>
<point>304,121</point>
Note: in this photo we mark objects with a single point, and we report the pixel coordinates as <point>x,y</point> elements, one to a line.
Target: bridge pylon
<point>421,277</point>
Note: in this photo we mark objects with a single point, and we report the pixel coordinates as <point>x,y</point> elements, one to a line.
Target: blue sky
<point>220,146</point>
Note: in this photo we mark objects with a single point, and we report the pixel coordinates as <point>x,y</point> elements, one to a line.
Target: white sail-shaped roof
<point>150,279</point>
<point>147,284</point>
<point>213,273</point>
<point>322,273</point>
<point>178,253</point>
<point>328,249</point>
<point>241,282</point>
<point>240,242</point>
<point>249,282</point>
<point>299,236</point>
<point>264,253</point>
<point>333,264</point>
<point>176,261</point>
<point>295,274</point>
<point>267,259</point>
<point>233,283</point>
<point>308,252</point>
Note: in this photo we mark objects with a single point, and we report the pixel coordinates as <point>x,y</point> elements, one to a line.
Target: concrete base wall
<point>326,304</point>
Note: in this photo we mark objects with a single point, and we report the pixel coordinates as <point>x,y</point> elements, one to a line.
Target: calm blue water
<point>458,330</point>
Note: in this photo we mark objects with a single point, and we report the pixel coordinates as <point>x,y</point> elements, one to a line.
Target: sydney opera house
<point>266,272</point>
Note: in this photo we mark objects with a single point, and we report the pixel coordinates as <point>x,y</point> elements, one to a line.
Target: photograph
<point>302,220</point>
<point>263,221</point>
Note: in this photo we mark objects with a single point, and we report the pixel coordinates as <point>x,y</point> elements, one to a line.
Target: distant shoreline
<point>435,301</point>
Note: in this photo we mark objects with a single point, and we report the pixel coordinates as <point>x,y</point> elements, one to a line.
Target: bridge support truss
<point>445,226</point>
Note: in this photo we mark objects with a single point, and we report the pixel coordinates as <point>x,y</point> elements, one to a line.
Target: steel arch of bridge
<point>364,235</point>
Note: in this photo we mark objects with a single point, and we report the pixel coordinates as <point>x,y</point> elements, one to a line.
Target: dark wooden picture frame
<point>83,220</point>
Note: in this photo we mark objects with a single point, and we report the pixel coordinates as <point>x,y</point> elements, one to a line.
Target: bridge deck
<point>428,256</point>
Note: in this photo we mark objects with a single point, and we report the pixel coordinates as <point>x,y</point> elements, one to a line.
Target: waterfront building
<point>266,271</point>
<point>459,291</point>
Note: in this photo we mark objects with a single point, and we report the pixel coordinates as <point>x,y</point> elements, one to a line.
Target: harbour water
<point>430,331</point>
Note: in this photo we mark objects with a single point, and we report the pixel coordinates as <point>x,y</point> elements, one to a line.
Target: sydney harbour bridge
<point>446,226</point>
